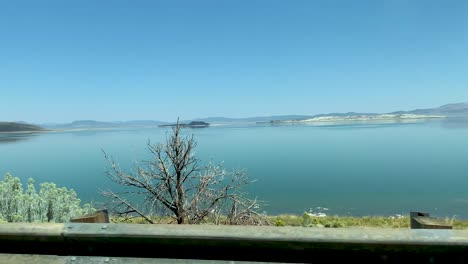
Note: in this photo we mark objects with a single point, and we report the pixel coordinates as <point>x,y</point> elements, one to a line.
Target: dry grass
<point>315,221</point>
<point>342,221</point>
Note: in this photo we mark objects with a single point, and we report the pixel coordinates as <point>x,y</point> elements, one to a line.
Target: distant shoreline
<point>349,118</point>
<point>25,131</point>
<point>14,127</point>
<point>383,117</point>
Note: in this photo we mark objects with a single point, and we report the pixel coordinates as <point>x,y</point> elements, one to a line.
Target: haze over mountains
<point>448,110</point>
<point>94,123</point>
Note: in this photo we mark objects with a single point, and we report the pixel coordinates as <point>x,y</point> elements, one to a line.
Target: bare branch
<point>174,182</point>
<point>129,208</point>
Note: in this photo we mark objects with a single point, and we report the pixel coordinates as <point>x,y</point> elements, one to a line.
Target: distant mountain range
<point>449,110</point>
<point>250,119</point>
<point>101,124</point>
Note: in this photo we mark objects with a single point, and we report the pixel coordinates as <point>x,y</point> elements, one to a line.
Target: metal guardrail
<point>234,243</point>
<point>49,259</point>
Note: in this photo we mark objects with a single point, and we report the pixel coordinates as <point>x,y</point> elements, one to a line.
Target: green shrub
<point>306,220</point>
<point>279,222</point>
<point>50,204</point>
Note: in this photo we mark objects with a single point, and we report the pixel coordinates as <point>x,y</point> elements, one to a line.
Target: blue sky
<point>121,60</point>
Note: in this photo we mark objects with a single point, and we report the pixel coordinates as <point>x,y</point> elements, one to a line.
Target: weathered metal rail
<point>113,242</point>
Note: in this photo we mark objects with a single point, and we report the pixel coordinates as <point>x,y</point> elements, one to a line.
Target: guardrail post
<point>419,220</point>
<point>100,216</point>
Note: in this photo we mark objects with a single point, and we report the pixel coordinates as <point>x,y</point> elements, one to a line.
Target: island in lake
<point>19,127</point>
<point>193,124</point>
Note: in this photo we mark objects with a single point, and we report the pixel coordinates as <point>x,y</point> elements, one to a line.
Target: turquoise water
<point>361,169</point>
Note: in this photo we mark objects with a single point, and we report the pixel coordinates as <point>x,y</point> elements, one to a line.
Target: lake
<point>352,169</point>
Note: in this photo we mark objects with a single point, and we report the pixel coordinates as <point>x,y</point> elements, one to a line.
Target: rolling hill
<point>18,127</point>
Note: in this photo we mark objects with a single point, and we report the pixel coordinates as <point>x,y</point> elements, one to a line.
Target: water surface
<point>351,169</point>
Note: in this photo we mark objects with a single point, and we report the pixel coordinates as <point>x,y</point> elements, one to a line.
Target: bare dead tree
<point>174,183</point>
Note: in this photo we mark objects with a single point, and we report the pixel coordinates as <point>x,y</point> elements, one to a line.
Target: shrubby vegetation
<point>310,220</point>
<point>50,204</point>
<point>395,221</point>
<point>307,220</point>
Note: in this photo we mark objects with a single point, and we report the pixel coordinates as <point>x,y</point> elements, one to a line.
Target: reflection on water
<point>352,123</point>
<point>6,138</point>
<point>455,122</point>
<point>449,123</point>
